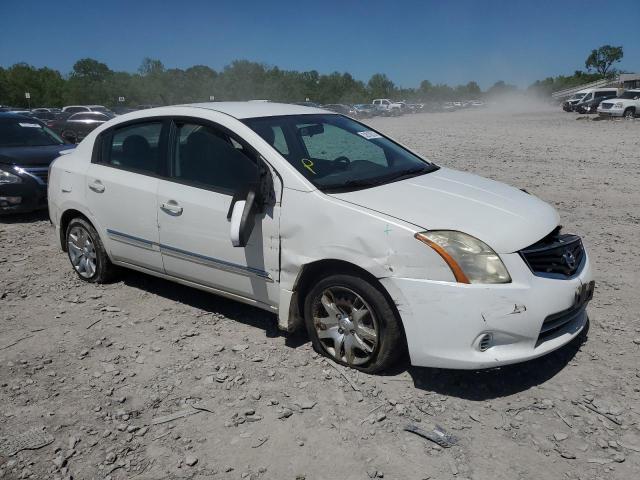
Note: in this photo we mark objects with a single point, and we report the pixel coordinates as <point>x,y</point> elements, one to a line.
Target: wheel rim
<point>82,252</point>
<point>346,325</point>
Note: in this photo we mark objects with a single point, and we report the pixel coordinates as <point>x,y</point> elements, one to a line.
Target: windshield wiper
<point>372,182</point>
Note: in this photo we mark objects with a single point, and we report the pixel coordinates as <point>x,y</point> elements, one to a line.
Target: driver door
<point>208,164</point>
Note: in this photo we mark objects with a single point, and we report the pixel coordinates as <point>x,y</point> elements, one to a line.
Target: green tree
<point>500,87</point>
<point>44,84</point>
<point>602,59</point>
<point>87,83</point>
<point>380,86</point>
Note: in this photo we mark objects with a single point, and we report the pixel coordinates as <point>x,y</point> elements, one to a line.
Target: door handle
<point>172,208</point>
<point>97,186</point>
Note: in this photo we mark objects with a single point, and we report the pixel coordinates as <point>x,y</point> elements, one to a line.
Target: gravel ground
<point>147,379</point>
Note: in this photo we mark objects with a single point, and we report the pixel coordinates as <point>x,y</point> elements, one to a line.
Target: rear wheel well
<point>66,217</point>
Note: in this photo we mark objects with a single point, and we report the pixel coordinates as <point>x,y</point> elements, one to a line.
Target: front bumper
<point>611,112</point>
<point>33,196</point>
<point>445,322</point>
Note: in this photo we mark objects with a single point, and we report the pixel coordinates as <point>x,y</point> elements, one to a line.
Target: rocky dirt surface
<point>147,379</point>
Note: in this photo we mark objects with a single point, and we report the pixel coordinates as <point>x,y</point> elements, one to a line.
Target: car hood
<point>31,156</point>
<point>505,218</point>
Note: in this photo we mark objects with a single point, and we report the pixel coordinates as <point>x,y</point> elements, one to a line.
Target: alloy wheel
<point>346,325</point>
<point>82,252</point>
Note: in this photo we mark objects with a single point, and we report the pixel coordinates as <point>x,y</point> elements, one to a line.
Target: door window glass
<point>209,157</point>
<point>135,147</point>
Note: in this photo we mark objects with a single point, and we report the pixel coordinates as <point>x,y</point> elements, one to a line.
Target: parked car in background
<point>568,104</point>
<point>589,103</point>
<point>120,110</point>
<point>384,104</point>
<point>626,105</point>
<point>75,127</point>
<point>340,108</point>
<point>20,111</point>
<point>27,147</point>
<point>86,108</point>
<point>46,109</point>
<point>329,224</point>
<point>586,96</point>
<point>365,110</point>
<point>44,114</point>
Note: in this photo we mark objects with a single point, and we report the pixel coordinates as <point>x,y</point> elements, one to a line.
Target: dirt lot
<point>252,403</point>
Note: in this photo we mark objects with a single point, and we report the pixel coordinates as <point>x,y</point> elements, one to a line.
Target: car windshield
<point>578,96</point>
<point>631,95</point>
<point>26,133</point>
<point>336,153</point>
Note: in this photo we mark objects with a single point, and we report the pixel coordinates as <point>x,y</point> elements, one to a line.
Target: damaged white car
<point>327,223</point>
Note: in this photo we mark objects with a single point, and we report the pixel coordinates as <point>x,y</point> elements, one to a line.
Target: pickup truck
<point>387,106</point>
<point>626,105</point>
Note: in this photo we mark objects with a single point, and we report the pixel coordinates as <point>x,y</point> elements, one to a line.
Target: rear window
<point>134,147</point>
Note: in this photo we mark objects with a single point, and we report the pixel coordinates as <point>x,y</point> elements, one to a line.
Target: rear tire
<point>351,321</point>
<point>86,252</point>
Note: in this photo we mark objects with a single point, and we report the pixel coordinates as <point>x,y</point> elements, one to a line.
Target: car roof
<point>242,110</point>
<point>17,116</point>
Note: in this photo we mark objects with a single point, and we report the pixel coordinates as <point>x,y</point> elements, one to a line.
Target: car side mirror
<point>247,203</point>
<point>242,215</point>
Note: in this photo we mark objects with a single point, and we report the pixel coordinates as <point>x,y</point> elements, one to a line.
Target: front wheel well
<point>315,271</point>
<point>66,217</point>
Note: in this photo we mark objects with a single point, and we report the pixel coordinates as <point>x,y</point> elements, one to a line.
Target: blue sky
<point>451,41</point>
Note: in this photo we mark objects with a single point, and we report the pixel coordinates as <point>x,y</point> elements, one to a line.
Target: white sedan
<point>329,224</point>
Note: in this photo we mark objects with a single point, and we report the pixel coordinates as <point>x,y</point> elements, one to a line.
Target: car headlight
<point>8,177</point>
<point>618,105</point>
<point>470,260</point>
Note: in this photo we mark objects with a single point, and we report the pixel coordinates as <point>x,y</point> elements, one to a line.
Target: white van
<point>595,95</point>
<point>587,95</point>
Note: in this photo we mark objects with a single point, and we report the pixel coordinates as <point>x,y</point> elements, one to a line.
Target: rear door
<point>121,191</point>
<point>208,165</point>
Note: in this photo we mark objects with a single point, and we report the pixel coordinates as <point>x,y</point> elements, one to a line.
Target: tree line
<point>93,82</point>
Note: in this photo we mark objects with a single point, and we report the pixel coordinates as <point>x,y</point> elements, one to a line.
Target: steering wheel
<point>343,162</point>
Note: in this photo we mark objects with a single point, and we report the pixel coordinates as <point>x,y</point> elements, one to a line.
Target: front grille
<point>40,174</point>
<point>556,255</point>
<point>606,106</point>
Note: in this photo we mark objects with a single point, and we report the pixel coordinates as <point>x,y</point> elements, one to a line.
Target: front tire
<point>86,252</point>
<point>629,114</point>
<point>351,321</point>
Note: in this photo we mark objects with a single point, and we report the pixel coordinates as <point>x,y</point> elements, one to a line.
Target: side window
<point>333,141</point>
<point>274,136</point>
<point>135,147</point>
<point>209,157</point>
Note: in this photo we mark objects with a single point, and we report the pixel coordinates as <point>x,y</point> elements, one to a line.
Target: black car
<point>78,125</point>
<point>591,106</point>
<point>340,108</point>
<point>27,148</point>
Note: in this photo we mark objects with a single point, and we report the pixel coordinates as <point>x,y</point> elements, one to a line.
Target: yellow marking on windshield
<point>308,164</point>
